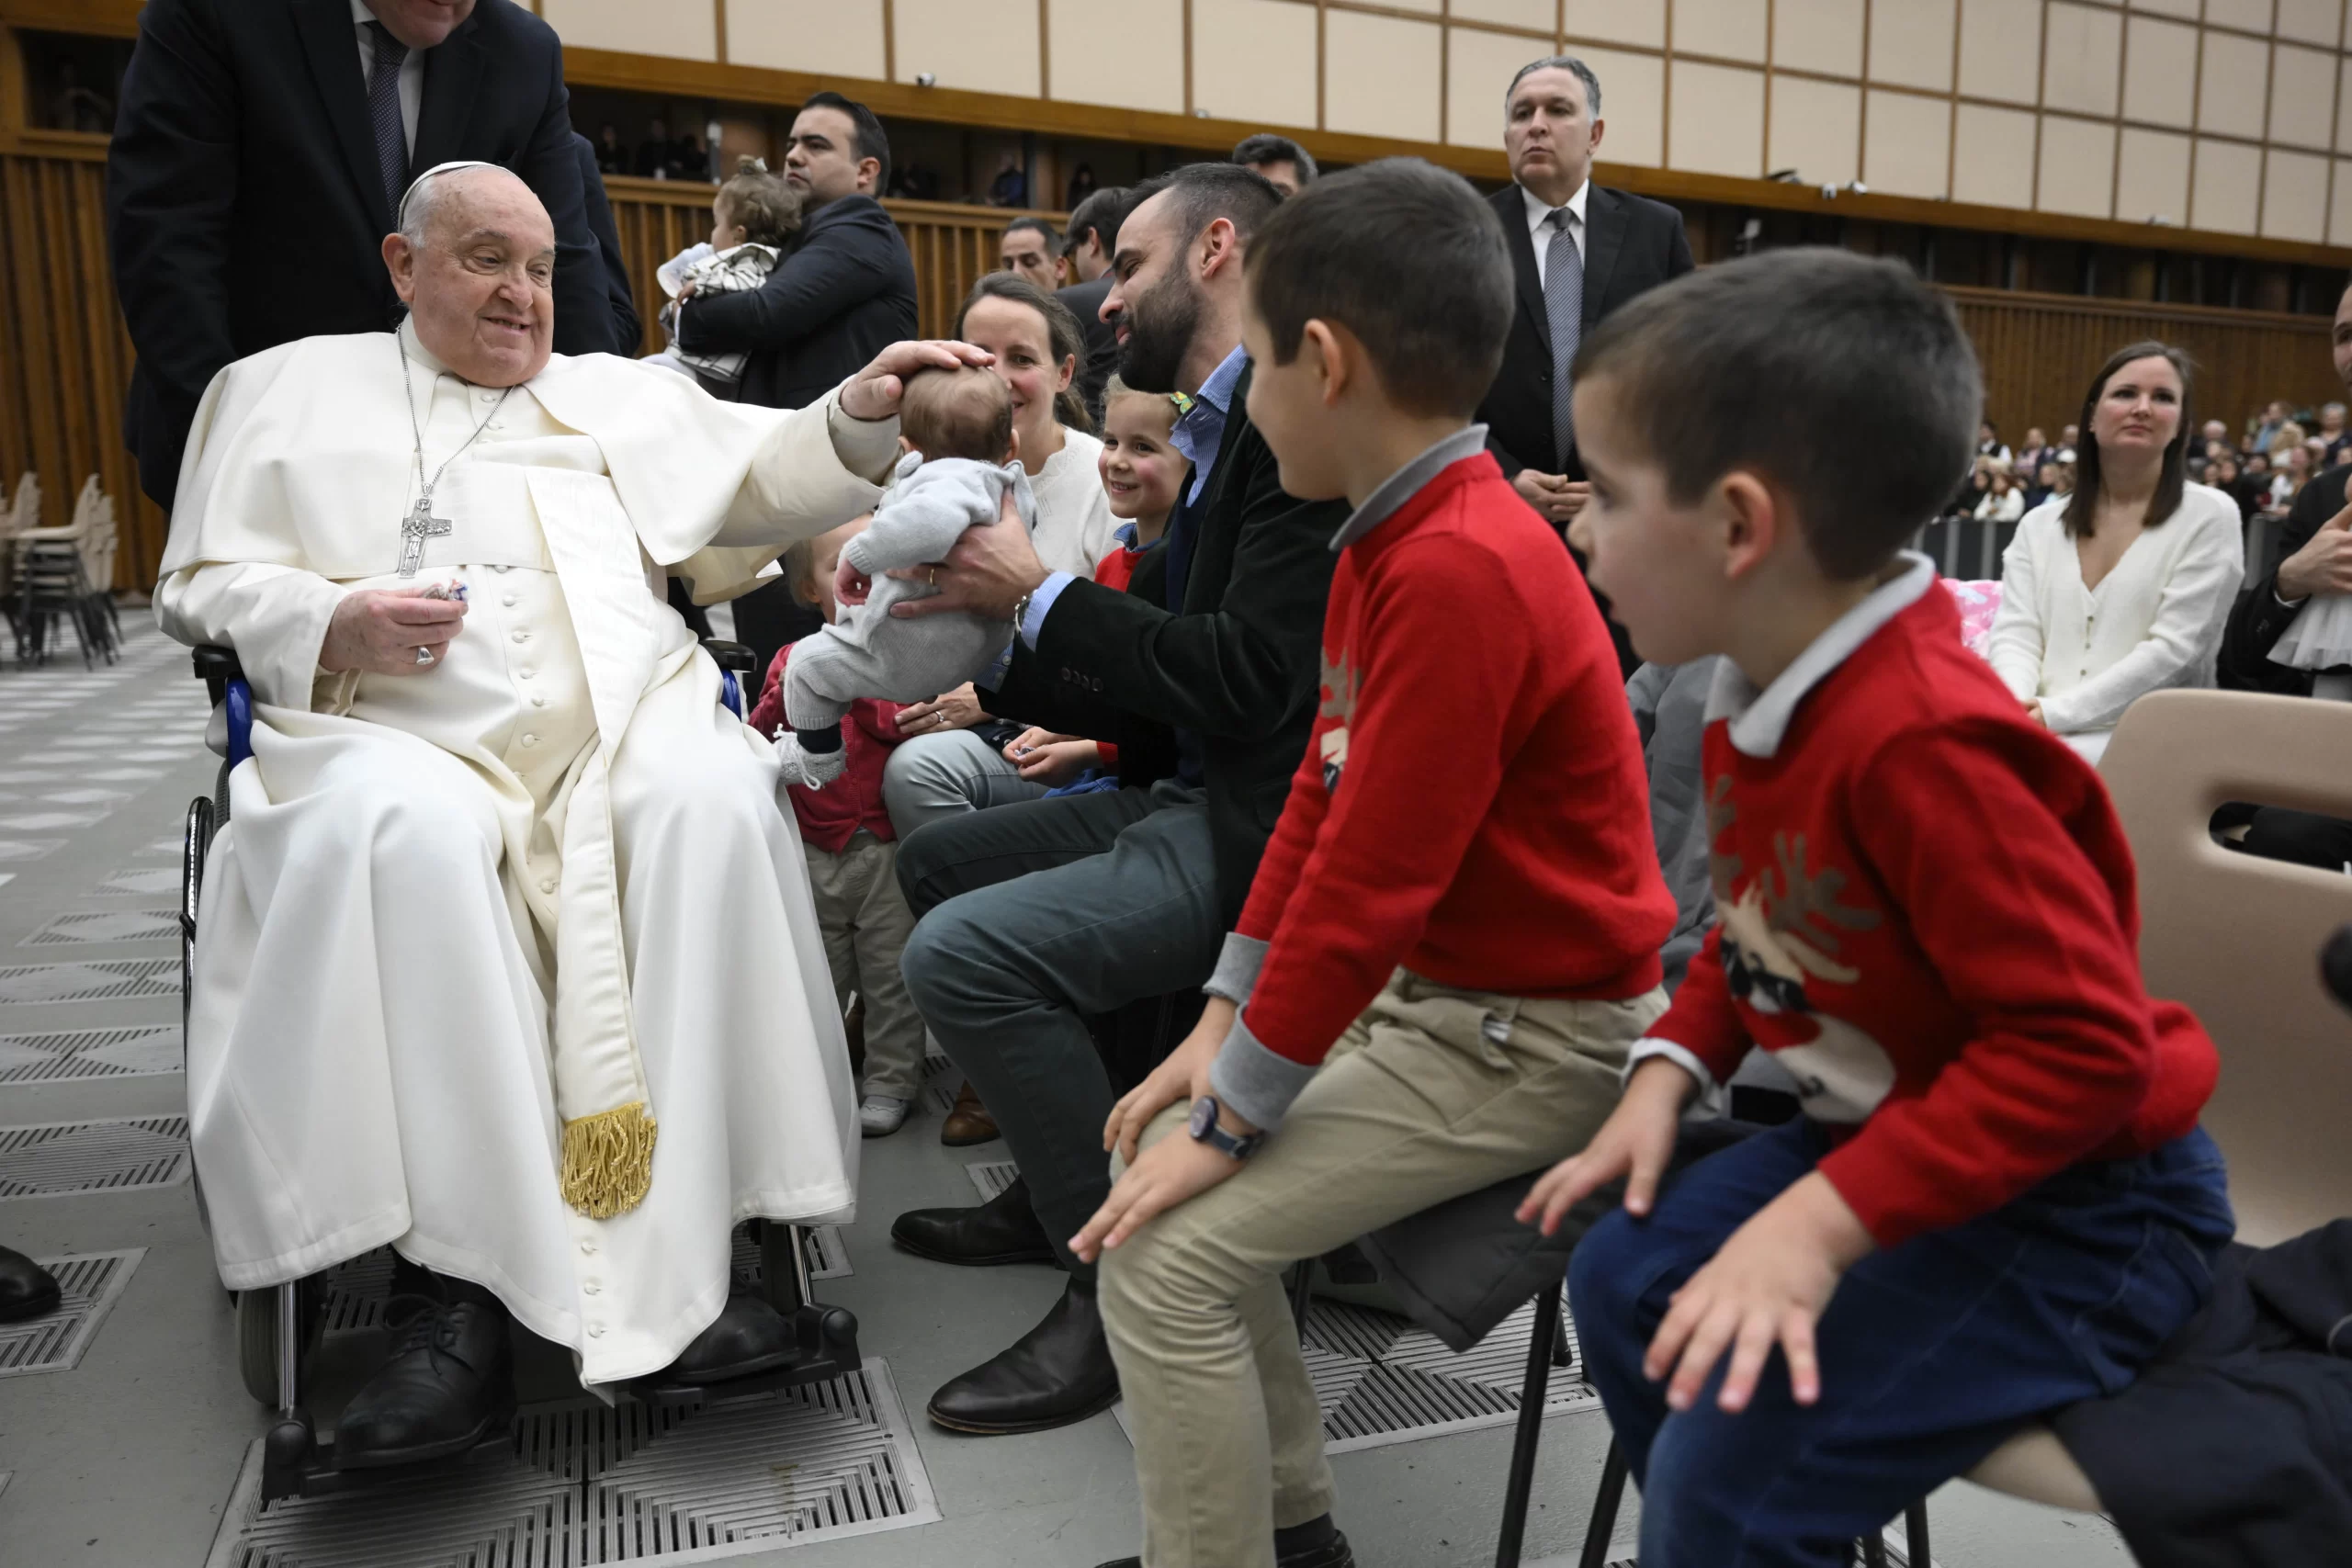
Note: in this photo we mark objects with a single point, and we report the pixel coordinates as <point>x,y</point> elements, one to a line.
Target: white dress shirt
<point>1538,216</point>
<point>411,71</point>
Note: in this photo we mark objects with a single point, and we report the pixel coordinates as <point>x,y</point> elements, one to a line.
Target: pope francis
<point>506,955</point>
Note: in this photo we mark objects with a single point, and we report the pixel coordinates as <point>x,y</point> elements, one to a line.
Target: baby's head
<point>753,207</point>
<point>964,412</point>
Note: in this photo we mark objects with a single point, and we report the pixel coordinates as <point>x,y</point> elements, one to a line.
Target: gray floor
<point>129,1458</point>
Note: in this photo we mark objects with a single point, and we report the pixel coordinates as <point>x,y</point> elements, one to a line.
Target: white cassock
<point>549,869</point>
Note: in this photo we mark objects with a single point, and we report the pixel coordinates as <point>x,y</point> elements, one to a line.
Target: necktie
<point>384,110</point>
<point>1563,308</point>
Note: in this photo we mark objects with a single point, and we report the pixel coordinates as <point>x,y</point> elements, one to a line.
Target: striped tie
<point>1563,308</point>
<point>384,110</point>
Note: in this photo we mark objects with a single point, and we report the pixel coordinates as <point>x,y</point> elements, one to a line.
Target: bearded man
<point>1118,895</point>
<point>506,957</point>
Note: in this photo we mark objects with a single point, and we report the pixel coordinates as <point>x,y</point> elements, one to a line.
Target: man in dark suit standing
<point>1578,251</point>
<point>261,152</point>
<point>843,292</point>
<point>627,330</point>
<point>1087,248</point>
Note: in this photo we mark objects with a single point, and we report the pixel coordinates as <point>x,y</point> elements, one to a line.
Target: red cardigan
<point>830,817</point>
<point>1472,804</point>
<point>1926,912</point>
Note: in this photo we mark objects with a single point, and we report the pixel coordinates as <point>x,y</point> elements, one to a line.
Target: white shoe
<point>812,770</point>
<point>880,1115</point>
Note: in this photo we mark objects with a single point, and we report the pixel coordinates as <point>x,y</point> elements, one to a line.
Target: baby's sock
<point>813,758</point>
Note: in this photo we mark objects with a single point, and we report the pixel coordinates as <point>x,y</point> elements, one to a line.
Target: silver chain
<point>418,431</point>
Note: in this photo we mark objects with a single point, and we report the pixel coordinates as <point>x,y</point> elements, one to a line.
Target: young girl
<point>751,218</point>
<point>1143,474</point>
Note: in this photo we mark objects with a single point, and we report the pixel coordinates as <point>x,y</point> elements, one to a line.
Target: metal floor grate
<point>89,1285</point>
<point>588,1484</point>
<point>828,1256</point>
<point>97,980</point>
<point>992,1176</point>
<point>107,925</point>
<point>112,1155</point>
<point>89,1054</point>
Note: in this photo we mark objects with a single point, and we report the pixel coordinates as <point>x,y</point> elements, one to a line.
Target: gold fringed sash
<point>608,1161</point>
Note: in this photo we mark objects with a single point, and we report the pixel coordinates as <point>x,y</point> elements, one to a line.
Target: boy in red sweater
<point>1452,939</point>
<point>1997,1202</point>
<point>853,855</point>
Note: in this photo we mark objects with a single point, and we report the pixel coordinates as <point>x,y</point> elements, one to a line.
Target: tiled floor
<point>131,1457</point>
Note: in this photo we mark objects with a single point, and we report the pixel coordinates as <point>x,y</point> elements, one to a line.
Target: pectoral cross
<point>419,525</point>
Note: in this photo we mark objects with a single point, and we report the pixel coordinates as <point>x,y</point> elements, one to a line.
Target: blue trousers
<point>1933,1353</point>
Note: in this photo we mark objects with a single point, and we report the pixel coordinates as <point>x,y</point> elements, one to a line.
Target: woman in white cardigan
<point>2123,587</point>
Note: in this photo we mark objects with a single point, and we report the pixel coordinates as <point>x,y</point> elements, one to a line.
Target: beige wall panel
<point>2077,167</point>
<point>1909,146</point>
<point>1251,60</point>
<point>2303,97</point>
<point>686,31</point>
<point>1431,7</point>
<point>2343,120</point>
<point>1992,156</point>
<point>1380,76</point>
<point>2294,196</point>
<point>1911,44</point>
<point>2314,21</point>
<point>2151,177</point>
<point>2160,73</point>
<point>2085,54</point>
<point>1611,22</point>
<point>1479,66</point>
<point>2234,84</point>
<point>989,46</point>
<point>2339,217</point>
<point>828,37</point>
<point>2191,9</point>
<point>1818,35</point>
<point>2227,184</point>
<point>1717,126</point>
<point>1633,96</point>
<point>1127,54</point>
<point>1534,15</point>
<point>2252,15</point>
<point>1817,129</point>
<point>1999,41</point>
<point>1733,30</point>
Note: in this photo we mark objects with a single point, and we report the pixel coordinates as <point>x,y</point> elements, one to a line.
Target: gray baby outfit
<point>866,653</point>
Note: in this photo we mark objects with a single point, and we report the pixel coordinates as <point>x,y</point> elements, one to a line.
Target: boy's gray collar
<point>1405,482</point>
<point>1759,719</point>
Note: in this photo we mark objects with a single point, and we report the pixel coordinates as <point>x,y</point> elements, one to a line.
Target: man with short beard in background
<point>1037,916</point>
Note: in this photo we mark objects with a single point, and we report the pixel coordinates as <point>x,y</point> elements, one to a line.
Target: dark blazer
<point>1631,244</point>
<point>2257,621</point>
<point>1240,667</point>
<point>628,332</point>
<point>245,207</point>
<point>843,293</point>
<point>1085,301</point>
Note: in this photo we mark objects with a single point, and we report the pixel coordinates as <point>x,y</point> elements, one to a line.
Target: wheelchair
<point>278,1327</point>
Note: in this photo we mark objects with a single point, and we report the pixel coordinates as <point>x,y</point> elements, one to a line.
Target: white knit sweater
<point>2155,621</point>
<point>1075,527</point>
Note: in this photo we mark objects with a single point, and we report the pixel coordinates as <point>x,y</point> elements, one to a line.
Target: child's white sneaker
<point>880,1115</point>
<point>812,770</point>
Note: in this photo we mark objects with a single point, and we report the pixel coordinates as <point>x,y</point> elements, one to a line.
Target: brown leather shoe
<point>969,1122</point>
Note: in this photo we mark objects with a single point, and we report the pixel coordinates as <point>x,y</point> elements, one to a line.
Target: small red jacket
<point>830,817</point>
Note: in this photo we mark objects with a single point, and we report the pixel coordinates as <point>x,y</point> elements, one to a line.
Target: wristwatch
<point>1205,1129</point>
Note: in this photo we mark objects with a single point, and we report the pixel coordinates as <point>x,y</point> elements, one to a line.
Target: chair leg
<point>1605,1504</point>
<point>1874,1550</point>
<point>1302,1293</point>
<point>1530,1435</point>
<point>1915,1535</point>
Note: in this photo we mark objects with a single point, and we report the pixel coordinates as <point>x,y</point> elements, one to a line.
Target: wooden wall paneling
<point>34,372</point>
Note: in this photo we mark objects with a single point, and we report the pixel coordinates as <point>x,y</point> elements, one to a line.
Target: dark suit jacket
<point>245,207</point>
<point>2257,621</point>
<point>1085,301</point>
<point>1631,244</point>
<point>628,331</point>
<point>843,293</point>
<point>1241,667</point>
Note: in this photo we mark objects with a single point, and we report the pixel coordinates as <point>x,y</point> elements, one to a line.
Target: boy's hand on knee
<point>1766,1286</point>
<point>1171,1172</point>
<point>1181,1078</point>
<point>1636,1143</point>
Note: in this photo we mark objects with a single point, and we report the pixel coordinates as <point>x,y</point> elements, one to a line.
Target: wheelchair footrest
<point>294,1463</point>
<point>828,1350</point>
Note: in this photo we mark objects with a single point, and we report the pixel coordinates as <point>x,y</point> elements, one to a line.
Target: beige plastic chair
<point>2237,940</point>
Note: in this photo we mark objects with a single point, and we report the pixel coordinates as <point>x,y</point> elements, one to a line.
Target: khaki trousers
<point>865,923</point>
<point>1432,1093</point>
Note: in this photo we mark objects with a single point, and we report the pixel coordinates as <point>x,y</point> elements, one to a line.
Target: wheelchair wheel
<point>258,1336</point>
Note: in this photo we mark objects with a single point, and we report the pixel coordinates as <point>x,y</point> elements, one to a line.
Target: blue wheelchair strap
<point>731,691</point>
<point>238,700</point>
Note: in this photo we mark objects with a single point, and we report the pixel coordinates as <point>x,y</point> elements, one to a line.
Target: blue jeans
<point>1933,1353</point>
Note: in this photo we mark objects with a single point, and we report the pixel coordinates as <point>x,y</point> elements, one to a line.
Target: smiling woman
<point>1037,346</point>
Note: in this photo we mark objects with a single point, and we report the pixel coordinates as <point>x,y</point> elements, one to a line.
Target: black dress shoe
<point>749,1337</point>
<point>1330,1552</point>
<point>448,1384</point>
<point>27,1289</point>
<point>1005,1229</point>
<point>1058,1372</point>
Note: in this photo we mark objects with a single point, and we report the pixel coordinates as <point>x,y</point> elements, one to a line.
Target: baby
<point>753,215</point>
<point>956,430</point>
